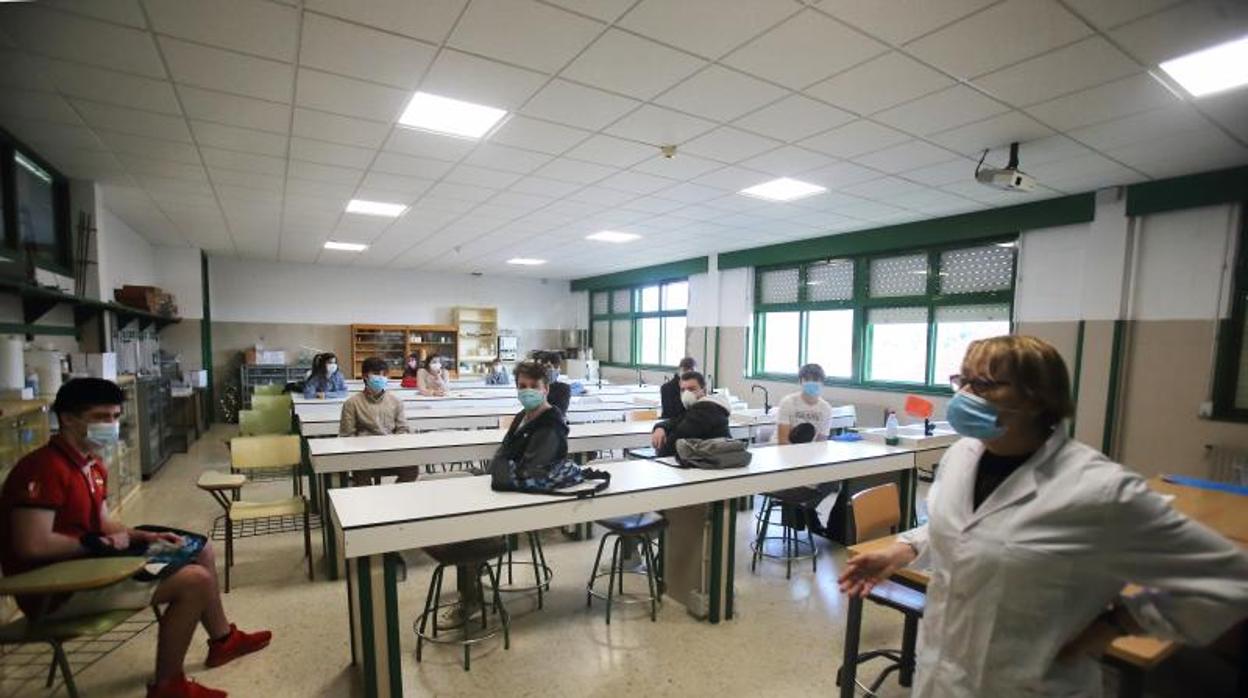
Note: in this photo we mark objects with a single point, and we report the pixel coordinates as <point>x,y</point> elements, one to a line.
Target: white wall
<point>123,256</point>
<point>252,291</point>
<point>178,272</point>
<point>1183,264</point>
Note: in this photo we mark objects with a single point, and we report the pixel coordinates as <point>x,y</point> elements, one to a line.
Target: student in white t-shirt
<point>805,407</point>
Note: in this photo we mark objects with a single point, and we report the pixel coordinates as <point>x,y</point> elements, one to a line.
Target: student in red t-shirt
<point>52,508</point>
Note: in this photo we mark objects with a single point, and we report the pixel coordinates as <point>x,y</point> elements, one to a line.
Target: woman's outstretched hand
<point>864,571</point>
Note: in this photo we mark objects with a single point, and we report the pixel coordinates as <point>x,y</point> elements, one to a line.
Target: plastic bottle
<point>890,430</point>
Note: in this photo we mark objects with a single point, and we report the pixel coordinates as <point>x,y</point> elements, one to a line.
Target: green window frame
<point>930,299</point>
<point>609,319</point>
<point>1230,398</point>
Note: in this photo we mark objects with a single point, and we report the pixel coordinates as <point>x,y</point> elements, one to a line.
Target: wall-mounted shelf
<point>38,300</point>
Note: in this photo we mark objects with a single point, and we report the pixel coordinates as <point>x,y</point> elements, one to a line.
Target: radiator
<point>1227,464</point>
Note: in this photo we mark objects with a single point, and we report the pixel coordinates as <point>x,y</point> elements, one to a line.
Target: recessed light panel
<point>1215,69</point>
<point>526,261</point>
<point>345,246</point>
<point>450,117</point>
<point>783,189</point>
<point>613,236</point>
<point>375,208</point>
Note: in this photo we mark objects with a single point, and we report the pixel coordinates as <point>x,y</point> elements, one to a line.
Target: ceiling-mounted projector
<point>1009,178</point>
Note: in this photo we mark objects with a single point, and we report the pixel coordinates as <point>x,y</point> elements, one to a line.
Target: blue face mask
<point>811,388</point>
<point>971,415</point>
<point>103,433</point>
<point>376,383</point>
<point>530,398</point>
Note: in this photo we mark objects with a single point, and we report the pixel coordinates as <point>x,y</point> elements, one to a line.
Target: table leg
<point>723,541</point>
<point>1130,681</point>
<point>909,493</point>
<point>849,661</point>
<point>328,539</point>
<point>372,591</point>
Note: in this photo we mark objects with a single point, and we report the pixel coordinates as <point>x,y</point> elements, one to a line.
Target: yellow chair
<point>250,455</point>
<point>261,422</point>
<point>271,402</point>
<point>268,389</point>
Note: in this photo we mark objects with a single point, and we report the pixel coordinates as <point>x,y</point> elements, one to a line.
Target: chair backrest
<point>877,512</point>
<point>255,452</point>
<point>257,422</point>
<point>271,402</point>
<point>643,415</point>
<point>268,389</point>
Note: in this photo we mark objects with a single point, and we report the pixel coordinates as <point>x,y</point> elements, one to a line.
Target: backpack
<point>712,454</point>
<point>507,476</point>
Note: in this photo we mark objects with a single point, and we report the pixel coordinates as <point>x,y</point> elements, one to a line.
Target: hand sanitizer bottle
<point>890,430</point>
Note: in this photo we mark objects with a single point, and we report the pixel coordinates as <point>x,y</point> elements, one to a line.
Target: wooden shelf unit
<point>395,342</point>
<point>443,340</point>
<point>478,336</point>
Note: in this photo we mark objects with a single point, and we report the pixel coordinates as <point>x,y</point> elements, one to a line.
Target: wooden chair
<point>643,415</point>
<point>877,513</point>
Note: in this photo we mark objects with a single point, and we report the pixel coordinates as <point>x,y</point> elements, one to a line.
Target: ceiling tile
<point>112,87</point>
<point>1230,109</point>
<point>410,141</point>
<point>133,121</point>
<point>163,168</point>
<point>251,26</point>
<point>534,134</point>
<point>43,106</point>
<point>360,52</point>
<point>150,147</point>
<point>728,144</point>
<point>430,20</point>
<point>1000,35</point>
<point>407,187</point>
<point>602,196</point>
<point>901,20</point>
<point>855,138</point>
<point>628,64</point>
<point>659,126</point>
<point>480,80</point>
<point>117,11</point>
<point>242,139</point>
<point>481,177</point>
<point>235,110</point>
<point>793,118</point>
<point>636,182</point>
<point>605,10</point>
<point>691,193</point>
<point>225,71</point>
<point>1143,127</point>
<point>907,156</point>
<point>339,129</point>
<point>567,103</point>
<point>941,111</point>
<point>680,167</point>
<point>721,94</point>
<point>1182,152</point>
<point>27,72</point>
<point>49,136</point>
<point>787,161</point>
<point>1184,28</point>
<point>993,132</point>
<point>506,158</point>
<point>252,180</point>
<point>324,191</point>
<point>426,168</point>
<point>943,173</point>
<point>348,96</point>
<point>1110,101</point>
<point>459,192</point>
<point>708,28</point>
<point>317,172</point>
<point>218,159</point>
<point>330,153</point>
<point>576,171</point>
<point>1084,64</point>
<point>879,83</point>
<point>1106,14</point>
<point>73,38</point>
<point>804,49</point>
<point>524,33</point>
<point>839,175</point>
<point>608,150</point>
<point>654,205</point>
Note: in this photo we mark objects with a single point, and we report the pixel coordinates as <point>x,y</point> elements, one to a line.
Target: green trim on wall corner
<point>644,275</point>
<point>1074,388</point>
<point>1188,191</point>
<point>1113,392</point>
<point>965,227</point>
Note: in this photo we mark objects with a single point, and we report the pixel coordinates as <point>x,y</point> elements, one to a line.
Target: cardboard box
<point>196,379</point>
<point>102,365</point>
<point>268,356</point>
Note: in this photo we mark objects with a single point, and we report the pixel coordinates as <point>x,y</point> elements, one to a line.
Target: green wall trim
<point>1188,191</point>
<point>965,227</point>
<point>644,275</point>
<point>1074,388</point>
<point>364,584</point>
<point>1113,392</point>
<point>205,336</point>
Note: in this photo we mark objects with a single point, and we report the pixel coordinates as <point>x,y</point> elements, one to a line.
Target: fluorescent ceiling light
<point>375,208</point>
<point>345,246</point>
<point>783,189</point>
<point>449,116</point>
<point>613,236</point>
<point>1211,70</point>
<point>526,261</point>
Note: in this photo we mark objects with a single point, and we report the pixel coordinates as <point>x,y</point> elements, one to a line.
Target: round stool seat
<point>467,552</point>
<point>635,524</point>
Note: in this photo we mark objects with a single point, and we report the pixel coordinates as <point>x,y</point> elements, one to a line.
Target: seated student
<point>53,508</point>
<point>538,434</point>
<point>411,372</point>
<point>375,412</point>
<point>559,393</point>
<point>325,380</point>
<point>670,392</point>
<point>805,407</point>
<point>433,379</point>
<point>498,375</point>
<point>705,416</point>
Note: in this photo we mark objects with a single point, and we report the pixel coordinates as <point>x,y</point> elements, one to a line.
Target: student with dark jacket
<point>669,392</point>
<point>538,434</point>
<point>705,416</point>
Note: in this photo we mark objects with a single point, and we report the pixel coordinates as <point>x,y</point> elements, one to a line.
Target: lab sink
<point>911,435</point>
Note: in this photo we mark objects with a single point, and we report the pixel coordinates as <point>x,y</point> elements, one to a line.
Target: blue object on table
<point>577,388</point>
<point>848,436</point>
<point>1205,484</point>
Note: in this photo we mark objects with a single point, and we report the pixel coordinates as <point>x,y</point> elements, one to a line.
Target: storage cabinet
<point>154,428</point>
<point>122,458</point>
<point>251,375</point>
<point>427,340</point>
<point>478,337</point>
<point>393,343</point>
<point>23,428</point>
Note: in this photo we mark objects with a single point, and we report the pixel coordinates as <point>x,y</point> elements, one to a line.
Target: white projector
<point>1008,179</point>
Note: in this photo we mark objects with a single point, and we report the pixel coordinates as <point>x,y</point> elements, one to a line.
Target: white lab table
<point>485,392</point>
<point>373,521</point>
<point>322,420</point>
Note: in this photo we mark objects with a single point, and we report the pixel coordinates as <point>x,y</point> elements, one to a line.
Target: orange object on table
<point>919,407</point>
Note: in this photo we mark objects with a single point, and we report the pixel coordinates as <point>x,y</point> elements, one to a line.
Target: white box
<point>78,363</point>
<point>102,365</point>
<point>195,379</point>
<point>271,357</point>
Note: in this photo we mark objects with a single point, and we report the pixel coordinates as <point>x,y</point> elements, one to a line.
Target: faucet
<point>639,381</point>
<point>766,396</point>
<point>710,382</point>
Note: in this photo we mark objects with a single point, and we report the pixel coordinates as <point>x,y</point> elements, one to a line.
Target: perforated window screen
<point>977,269</point>
<point>779,286</point>
<point>897,316</point>
<point>601,303</point>
<point>973,313</point>
<point>621,341</point>
<point>899,276</point>
<point>830,281</point>
<point>621,301</point>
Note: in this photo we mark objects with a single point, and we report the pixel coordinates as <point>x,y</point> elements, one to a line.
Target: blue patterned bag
<point>565,478</point>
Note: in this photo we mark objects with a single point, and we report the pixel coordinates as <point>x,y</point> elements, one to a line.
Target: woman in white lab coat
<point>1033,535</point>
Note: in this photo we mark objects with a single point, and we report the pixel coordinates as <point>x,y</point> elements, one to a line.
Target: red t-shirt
<point>56,477</point>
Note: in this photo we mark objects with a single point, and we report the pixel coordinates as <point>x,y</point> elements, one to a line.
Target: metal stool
<point>475,555</point>
<point>636,527</point>
<point>791,504</point>
<point>541,571</point>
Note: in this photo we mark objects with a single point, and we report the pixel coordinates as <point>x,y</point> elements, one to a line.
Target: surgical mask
<point>971,415</point>
<point>435,367</point>
<point>376,383</point>
<point>530,398</point>
<point>103,433</point>
<point>331,369</point>
<point>811,388</point>
<point>688,397</point>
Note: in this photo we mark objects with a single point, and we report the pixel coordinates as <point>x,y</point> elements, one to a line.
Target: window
<point>640,326</point>
<point>1230,386</point>
<point>901,319</point>
<point>34,207</point>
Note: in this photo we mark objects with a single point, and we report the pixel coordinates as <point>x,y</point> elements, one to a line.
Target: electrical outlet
<point>1205,411</point>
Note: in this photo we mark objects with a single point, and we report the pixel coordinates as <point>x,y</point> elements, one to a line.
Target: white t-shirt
<point>794,410</point>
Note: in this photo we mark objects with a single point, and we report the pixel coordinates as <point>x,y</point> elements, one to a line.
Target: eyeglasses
<point>977,385</point>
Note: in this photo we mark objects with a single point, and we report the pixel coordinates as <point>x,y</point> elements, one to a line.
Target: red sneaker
<point>235,645</point>
<point>182,687</point>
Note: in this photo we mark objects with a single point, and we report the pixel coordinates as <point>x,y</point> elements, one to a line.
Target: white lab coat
<point>1016,579</point>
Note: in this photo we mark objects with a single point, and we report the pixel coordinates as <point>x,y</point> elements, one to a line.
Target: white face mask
<point>331,369</point>
<point>688,397</point>
<point>435,367</point>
